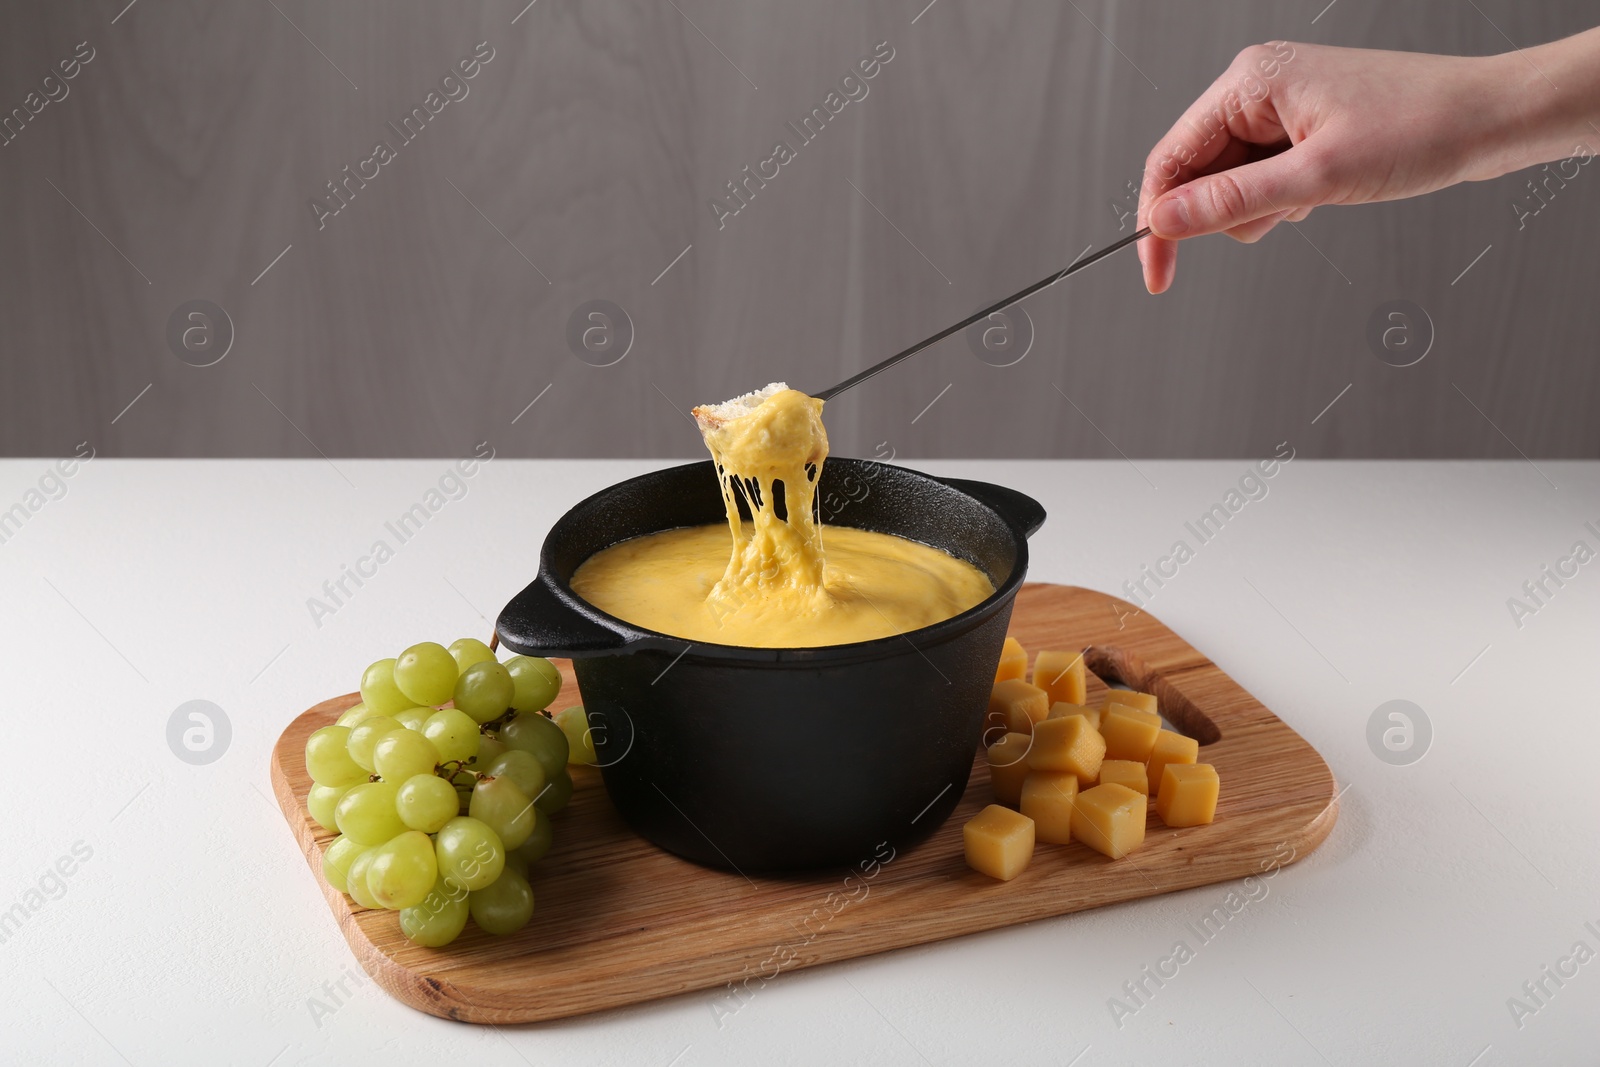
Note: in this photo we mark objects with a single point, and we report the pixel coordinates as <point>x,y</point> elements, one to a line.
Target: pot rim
<point>1021,514</point>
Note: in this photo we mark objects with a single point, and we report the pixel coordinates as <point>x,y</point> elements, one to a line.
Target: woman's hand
<point>1290,127</point>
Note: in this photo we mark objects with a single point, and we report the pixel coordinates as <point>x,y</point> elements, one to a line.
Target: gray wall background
<point>429,312</point>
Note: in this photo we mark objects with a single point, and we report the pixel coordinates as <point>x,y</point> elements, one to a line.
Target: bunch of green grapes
<point>441,784</point>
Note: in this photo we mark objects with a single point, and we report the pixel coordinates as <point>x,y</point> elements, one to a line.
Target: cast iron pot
<point>783,759</point>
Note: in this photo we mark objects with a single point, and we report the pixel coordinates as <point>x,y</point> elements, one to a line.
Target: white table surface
<point>193,932</point>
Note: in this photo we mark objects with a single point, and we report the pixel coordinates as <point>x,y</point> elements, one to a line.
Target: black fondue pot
<point>783,759</point>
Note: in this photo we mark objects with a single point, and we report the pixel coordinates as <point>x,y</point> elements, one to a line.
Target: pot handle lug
<point>541,621</point>
<point>1019,509</point>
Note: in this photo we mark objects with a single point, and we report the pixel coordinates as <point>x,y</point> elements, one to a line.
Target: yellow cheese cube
<point>1169,748</point>
<point>1188,794</point>
<point>1062,675</point>
<point>1124,772</point>
<point>1129,732</point>
<point>1129,699</point>
<point>1047,798</point>
<point>999,842</point>
<point>1109,819</point>
<point>1013,661</point>
<point>1016,706</point>
<point>1061,711</point>
<point>1008,766</point>
<point>1067,744</point>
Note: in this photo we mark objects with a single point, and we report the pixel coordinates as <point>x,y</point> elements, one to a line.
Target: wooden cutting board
<point>618,921</point>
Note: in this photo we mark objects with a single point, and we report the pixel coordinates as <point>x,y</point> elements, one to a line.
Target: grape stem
<point>495,724</point>
<point>449,769</point>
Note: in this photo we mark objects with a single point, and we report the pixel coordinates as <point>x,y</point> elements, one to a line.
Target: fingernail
<point>1170,218</point>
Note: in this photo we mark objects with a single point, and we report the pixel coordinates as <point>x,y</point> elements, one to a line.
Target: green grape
<point>402,871</point>
<point>484,691</point>
<point>356,879</point>
<point>469,853</point>
<point>426,802</point>
<point>557,791</point>
<point>504,808</point>
<point>522,769</point>
<point>538,736</point>
<point>535,682</point>
<point>401,754</point>
<point>426,673</point>
<point>321,802</point>
<point>580,741</point>
<point>378,690</point>
<point>536,846</point>
<point>367,813</point>
<point>453,733</point>
<point>354,715</point>
<point>490,749</point>
<point>413,718</point>
<point>505,906</point>
<point>336,860</point>
<point>440,918</point>
<point>327,760</point>
<point>469,650</point>
<point>365,736</point>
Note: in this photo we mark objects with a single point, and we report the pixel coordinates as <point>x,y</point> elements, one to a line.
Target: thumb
<point>1227,199</point>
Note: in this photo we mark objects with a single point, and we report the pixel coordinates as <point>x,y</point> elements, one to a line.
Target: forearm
<point>1552,97</point>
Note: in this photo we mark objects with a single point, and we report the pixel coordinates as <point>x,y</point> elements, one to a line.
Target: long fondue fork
<point>979,316</point>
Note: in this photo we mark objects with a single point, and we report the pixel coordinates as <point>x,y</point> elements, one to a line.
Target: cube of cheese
<point>1013,661</point>
<point>1109,819</point>
<point>1124,772</point>
<point>1016,706</point>
<point>1188,795</point>
<point>1129,732</point>
<point>1062,675</point>
<point>1008,766</point>
<point>1061,711</point>
<point>999,842</point>
<point>1067,744</point>
<point>1129,699</point>
<point>1169,748</point>
<point>1047,798</point>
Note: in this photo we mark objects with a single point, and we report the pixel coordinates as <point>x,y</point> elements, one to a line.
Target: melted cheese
<point>776,589</point>
<point>771,454</point>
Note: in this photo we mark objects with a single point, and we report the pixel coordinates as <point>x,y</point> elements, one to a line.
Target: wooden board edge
<point>451,999</point>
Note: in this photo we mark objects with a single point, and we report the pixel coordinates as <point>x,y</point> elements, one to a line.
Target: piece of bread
<point>711,416</point>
